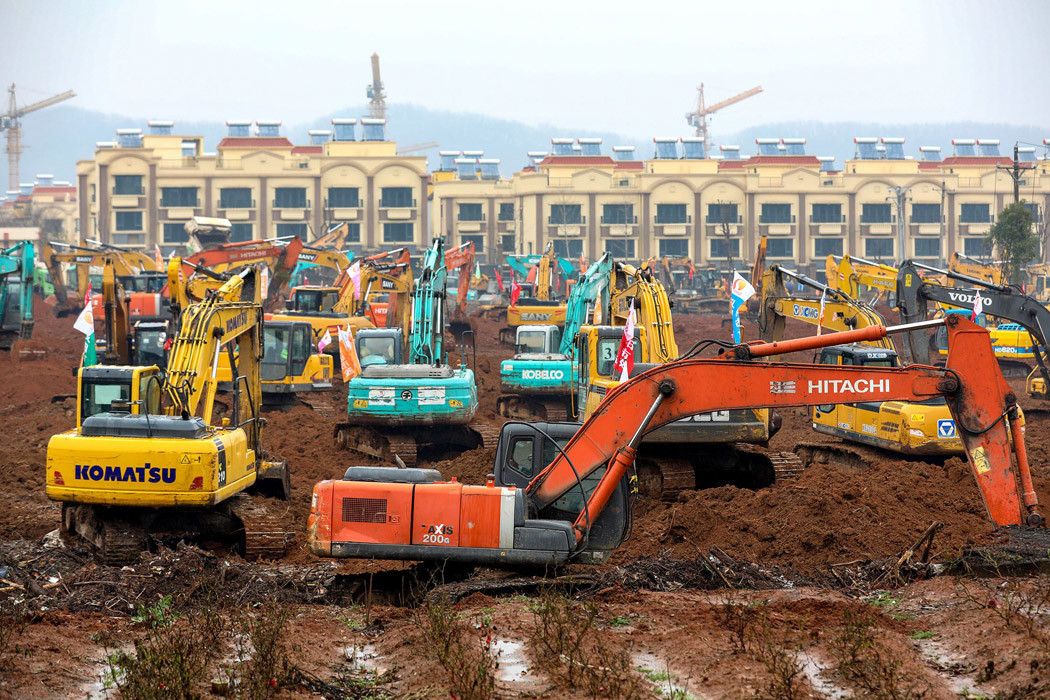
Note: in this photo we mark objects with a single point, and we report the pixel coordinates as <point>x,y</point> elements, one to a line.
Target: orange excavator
<point>578,508</point>
<point>460,259</point>
<point>280,257</point>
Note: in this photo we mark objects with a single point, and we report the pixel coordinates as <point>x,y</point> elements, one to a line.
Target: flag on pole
<point>477,270</point>
<point>348,359</point>
<point>264,275</point>
<point>515,292</point>
<point>499,279</point>
<point>692,270</point>
<point>355,276</point>
<point>85,323</point>
<point>158,257</point>
<point>740,291</point>
<point>820,316</point>
<point>978,306</point>
<point>625,355</point>
<point>325,341</point>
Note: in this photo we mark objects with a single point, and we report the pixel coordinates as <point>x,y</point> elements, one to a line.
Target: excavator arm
<point>591,289</point>
<point>280,257</point>
<point>991,272</point>
<point>914,293</point>
<point>632,286</point>
<point>123,262</point>
<point>461,258</point>
<point>116,318</point>
<point>428,304</point>
<point>980,400</point>
<point>848,274</point>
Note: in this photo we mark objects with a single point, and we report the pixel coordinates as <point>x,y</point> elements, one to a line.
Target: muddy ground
<point>797,590</point>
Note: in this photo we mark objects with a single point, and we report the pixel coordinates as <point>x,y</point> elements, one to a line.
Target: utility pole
<point>1016,169</point>
<point>900,197</point>
<point>944,216</point>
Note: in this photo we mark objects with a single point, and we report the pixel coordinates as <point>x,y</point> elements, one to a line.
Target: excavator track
<point>265,534</point>
<point>516,407</point>
<point>121,542</point>
<point>489,433</point>
<point>405,447</point>
<point>786,465</point>
<point>849,457</point>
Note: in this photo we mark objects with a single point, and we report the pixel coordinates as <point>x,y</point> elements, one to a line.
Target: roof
<point>307,150</point>
<point>54,190</point>
<point>629,165</point>
<point>732,164</point>
<point>578,160</point>
<point>254,142</point>
<point>783,160</point>
<point>986,161</point>
<point>930,164</point>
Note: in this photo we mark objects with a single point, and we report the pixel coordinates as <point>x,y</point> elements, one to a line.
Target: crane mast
<point>377,106</point>
<point>698,118</point>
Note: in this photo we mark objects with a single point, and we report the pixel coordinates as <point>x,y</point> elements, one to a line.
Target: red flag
<point>625,355</point>
<point>499,279</point>
<point>531,277</point>
<point>515,292</point>
<point>692,270</point>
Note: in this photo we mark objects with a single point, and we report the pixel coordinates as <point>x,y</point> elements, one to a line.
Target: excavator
<point>407,397</point>
<point>923,428</point>
<point>1025,336</point>
<point>723,446</point>
<point>150,460</point>
<point>136,270</point>
<point>849,274</point>
<point>578,509</point>
<point>693,290</point>
<point>321,264</point>
<point>542,306</point>
<point>537,382</point>
<point>16,293</point>
<point>1038,281</point>
<point>280,257</point>
<point>461,260</point>
<point>127,341</point>
<point>993,272</point>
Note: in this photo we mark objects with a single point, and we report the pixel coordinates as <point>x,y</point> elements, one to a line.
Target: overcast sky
<point>628,68</point>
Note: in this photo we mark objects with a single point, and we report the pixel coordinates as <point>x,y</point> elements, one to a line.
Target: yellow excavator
<point>993,272</point>
<point>542,307</point>
<point>704,450</point>
<point>80,259</point>
<point>909,428</point>
<point>150,461</point>
<point>851,276</point>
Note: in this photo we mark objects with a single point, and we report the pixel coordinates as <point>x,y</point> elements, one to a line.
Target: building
<point>141,189</point>
<point>45,205</point>
<point>686,202</point>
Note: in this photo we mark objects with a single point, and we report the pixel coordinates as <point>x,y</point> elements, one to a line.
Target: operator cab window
<point>302,344</point>
<point>150,348</point>
<point>275,352</point>
<point>100,397</point>
<point>531,341</point>
<point>329,299</point>
<point>521,456</point>
<point>607,349</point>
<point>376,351</point>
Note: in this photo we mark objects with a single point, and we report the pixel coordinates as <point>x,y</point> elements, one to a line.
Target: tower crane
<point>377,107</point>
<point>698,118</point>
<point>11,122</point>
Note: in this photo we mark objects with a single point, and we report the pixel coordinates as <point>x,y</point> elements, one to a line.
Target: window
<point>506,243</point>
<point>289,197</point>
<point>722,214</point>
<point>926,213</point>
<point>478,241</point>
<point>780,247</point>
<point>398,232</point>
<point>977,247</point>
<point>506,211</point>
<point>127,184</point>
<point>565,214</point>
<point>1033,209</point>
<point>827,214</point>
<point>129,221</point>
<point>620,249</point>
<point>775,214</point>
<point>240,232</point>
<point>875,214</point>
<point>878,248</point>
<point>927,247</point>
<point>571,249</point>
<point>396,197</point>
<point>718,248</point>
<point>470,212</point>
<point>175,233</point>
<point>343,197</point>
<point>823,247</point>
<point>673,248</point>
<point>235,198</point>
<point>618,214</point>
<point>975,214</point>
<point>291,230</point>
<point>178,197</point>
<point>353,233</point>
<point>671,214</point>
<point>521,455</point>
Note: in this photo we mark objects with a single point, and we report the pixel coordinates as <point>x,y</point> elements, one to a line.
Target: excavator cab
<point>12,306</point>
<point>313,299</point>
<point>145,282</point>
<point>537,340</point>
<point>148,341</point>
<point>115,389</point>
<point>380,346</point>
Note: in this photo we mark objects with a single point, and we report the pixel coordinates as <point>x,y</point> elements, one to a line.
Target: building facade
<point>46,206</point>
<point>714,210</point>
<point>140,190</point>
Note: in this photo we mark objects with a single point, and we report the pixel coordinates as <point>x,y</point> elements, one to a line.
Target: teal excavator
<point>407,397</point>
<point>16,293</point>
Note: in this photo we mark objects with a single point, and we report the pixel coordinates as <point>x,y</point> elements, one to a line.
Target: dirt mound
<point>470,467</point>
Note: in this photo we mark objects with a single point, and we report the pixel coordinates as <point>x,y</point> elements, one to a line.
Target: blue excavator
<point>16,293</point>
<point>408,398</point>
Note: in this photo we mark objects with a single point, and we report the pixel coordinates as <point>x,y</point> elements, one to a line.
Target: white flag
<point>820,317</point>
<point>978,306</point>
<point>265,280</point>
<point>325,341</point>
<point>85,322</point>
<point>741,288</point>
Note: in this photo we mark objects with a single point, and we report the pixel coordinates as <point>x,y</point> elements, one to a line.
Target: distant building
<point>683,202</point>
<point>44,205</point>
<point>141,189</point>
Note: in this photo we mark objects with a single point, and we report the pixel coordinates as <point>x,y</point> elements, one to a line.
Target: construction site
<point>357,418</point>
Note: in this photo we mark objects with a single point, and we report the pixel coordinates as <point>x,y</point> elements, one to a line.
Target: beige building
<point>45,205</point>
<point>683,202</point>
<point>141,189</point>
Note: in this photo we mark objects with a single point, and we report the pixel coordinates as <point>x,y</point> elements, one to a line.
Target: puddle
<point>952,668</point>
<point>655,671</point>
<point>513,666</point>
<point>817,674</point>
<point>364,657</point>
<point>101,685</point>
